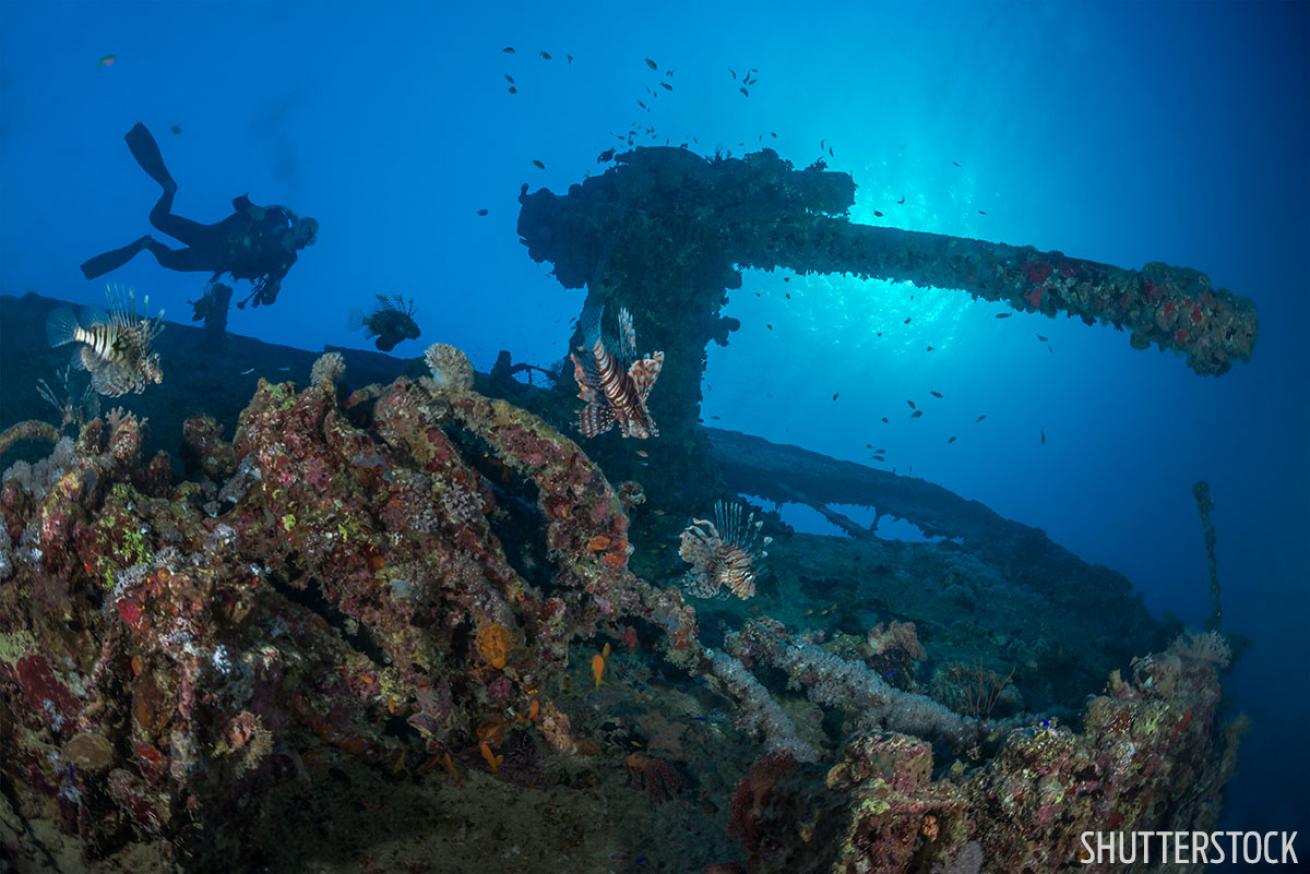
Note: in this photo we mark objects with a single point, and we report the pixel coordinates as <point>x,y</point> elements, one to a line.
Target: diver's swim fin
<point>146,151</point>
<point>112,260</point>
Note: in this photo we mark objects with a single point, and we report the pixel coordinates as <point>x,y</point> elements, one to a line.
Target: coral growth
<point>1148,757</point>
<point>398,580</point>
<point>449,367</point>
<point>328,370</point>
<point>323,585</point>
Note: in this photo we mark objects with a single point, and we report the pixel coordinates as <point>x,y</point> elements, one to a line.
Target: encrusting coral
<point>325,578</point>
<point>399,577</point>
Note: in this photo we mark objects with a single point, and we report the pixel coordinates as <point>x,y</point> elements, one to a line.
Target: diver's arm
<point>271,283</point>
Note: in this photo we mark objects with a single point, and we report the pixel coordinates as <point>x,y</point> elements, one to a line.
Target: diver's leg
<point>184,230</point>
<point>146,151</point>
<point>185,260</point>
<point>113,259</point>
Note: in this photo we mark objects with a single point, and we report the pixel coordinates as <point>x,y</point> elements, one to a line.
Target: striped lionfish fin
<point>84,358</point>
<point>586,380</point>
<point>589,324</point>
<point>643,373</point>
<point>595,419</point>
<point>627,335</point>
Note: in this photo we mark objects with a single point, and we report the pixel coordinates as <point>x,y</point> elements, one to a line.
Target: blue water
<point>1124,134</point>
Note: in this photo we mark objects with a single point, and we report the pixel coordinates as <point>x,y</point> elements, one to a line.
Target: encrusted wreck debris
<point>397,576</point>
<point>397,589</point>
<point>666,232</point>
<point>160,642</point>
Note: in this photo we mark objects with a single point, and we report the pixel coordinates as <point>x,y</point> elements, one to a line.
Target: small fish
<point>651,63</point>
<point>744,92</point>
<point>107,61</point>
<point>539,165</point>
<point>482,212</point>
<point>877,214</point>
<point>786,279</point>
<point>773,134</point>
<point>916,414</point>
<point>901,201</point>
<point>787,294</point>
<point>509,50</point>
<point>248,371</point>
<point>643,453</point>
<point>545,55</point>
<point>174,129</point>
<point>670,73</point>
<point>598,669</point>
<point>912,405</point>
<point>569,57</point>
<point>666,86</point>
<point>830,152</point>
<point>493,761</point>
<point>605,156</point>
<point>835,395</point>
<point>1043,437</point>
<point>643,106</point>
<point>980,418</point>
<point>885,420</point>
<point>907,320</point>
<point>956,163</point>
<point>1041,339</point>
<point>1003,315</point>
<point>509,78</point>
<point>285,369</point>
<point>935,394</point>
<point>513,90</point>
<point>733,72</point>
<point>770,327</point>
<point>949,442</point>
<point>1051,348</point>
<point>982,212</point>
<point>929,349</point>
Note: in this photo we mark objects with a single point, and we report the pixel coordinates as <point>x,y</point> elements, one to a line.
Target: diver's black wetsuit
<point>252,243</point>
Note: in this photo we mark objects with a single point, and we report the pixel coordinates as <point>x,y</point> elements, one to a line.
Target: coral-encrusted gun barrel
<point>1173,307</point>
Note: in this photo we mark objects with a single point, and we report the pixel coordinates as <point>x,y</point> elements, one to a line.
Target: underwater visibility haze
<point>739,437</point>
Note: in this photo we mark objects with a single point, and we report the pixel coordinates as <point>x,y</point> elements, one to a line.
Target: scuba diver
<point>255,243</point>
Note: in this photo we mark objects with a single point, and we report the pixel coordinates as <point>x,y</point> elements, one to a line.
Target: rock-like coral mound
<point>166,651</point>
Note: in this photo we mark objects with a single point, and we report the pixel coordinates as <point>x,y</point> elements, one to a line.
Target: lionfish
<point>614,386</point>
<point>724,554</point>
<point>73,409</point>
<point>391,322</point>
<point>114,346</point>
